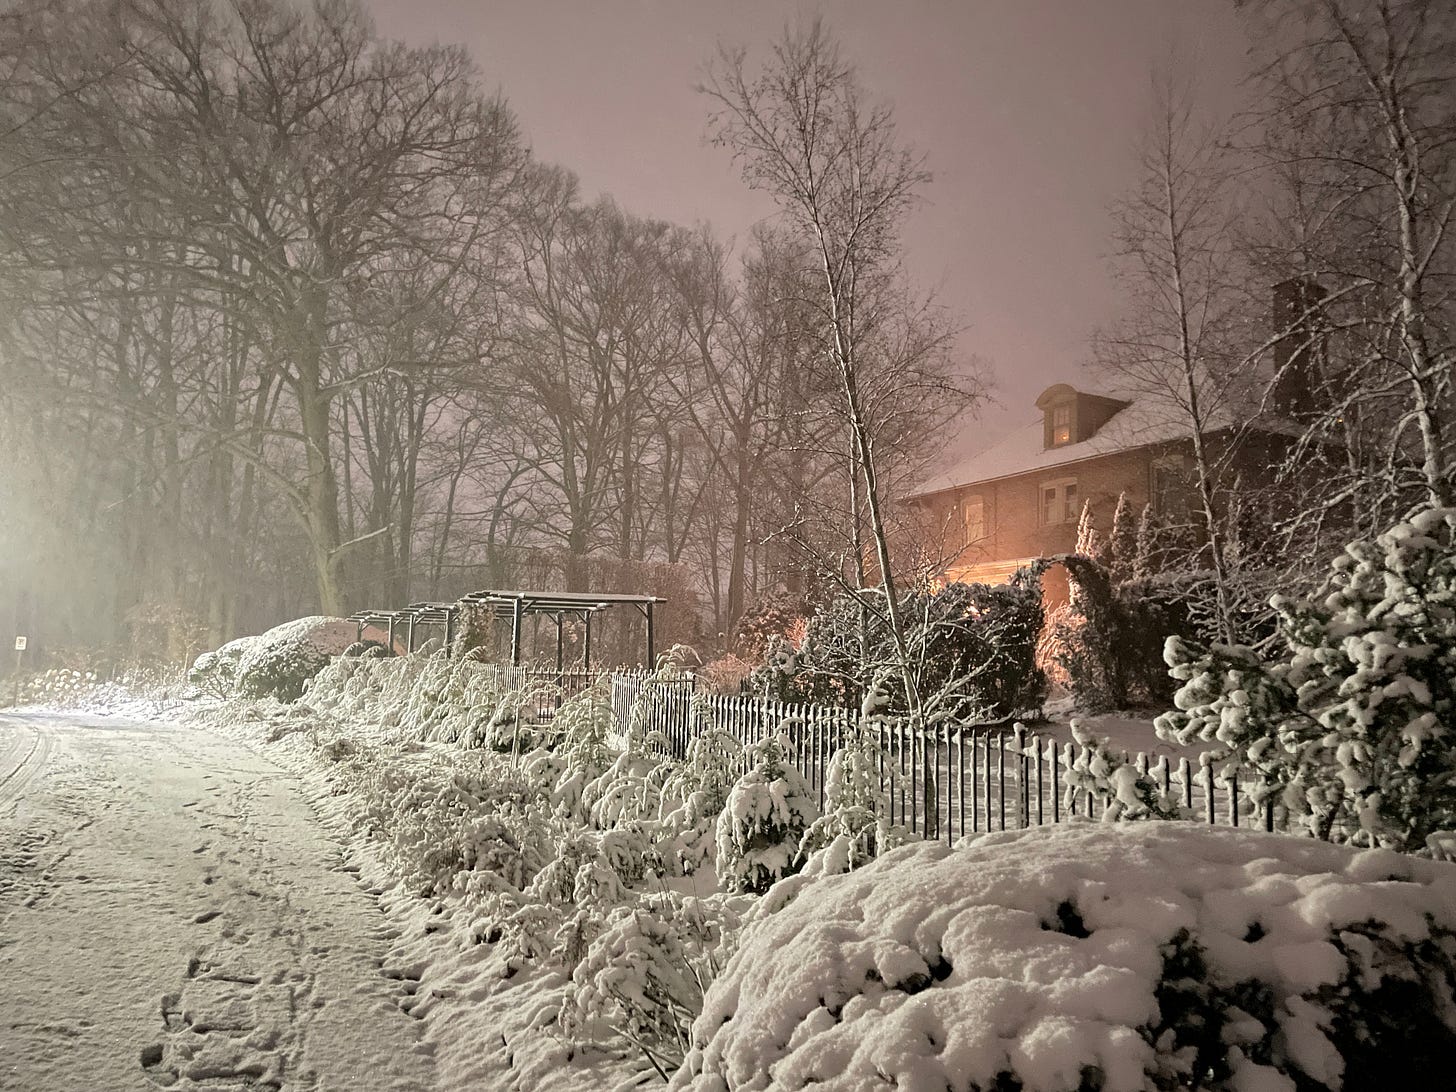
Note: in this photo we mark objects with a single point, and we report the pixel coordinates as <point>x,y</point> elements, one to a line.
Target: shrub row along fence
<point>941,782</point>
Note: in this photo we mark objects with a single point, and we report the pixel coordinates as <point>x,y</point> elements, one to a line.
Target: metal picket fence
<point>945,781</point>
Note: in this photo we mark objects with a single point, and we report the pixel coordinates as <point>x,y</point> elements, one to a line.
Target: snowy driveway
<point>172,914</point>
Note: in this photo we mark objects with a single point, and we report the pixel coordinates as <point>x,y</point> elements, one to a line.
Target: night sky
<point>1026,109</point>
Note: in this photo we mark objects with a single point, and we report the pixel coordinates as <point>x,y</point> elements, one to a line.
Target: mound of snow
<point>1116,957</point>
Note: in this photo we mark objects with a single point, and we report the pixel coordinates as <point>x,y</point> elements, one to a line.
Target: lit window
<point>1061,425</point>
<point>1059,501</point>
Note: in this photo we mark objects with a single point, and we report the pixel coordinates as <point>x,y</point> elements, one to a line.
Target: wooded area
<point>300,325</point>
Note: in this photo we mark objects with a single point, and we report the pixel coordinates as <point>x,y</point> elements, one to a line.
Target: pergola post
<point>558,648</point>
<point>651,657</point>
<point>516,611</point>
<point>358,631</point>
<point>391,633</point>
<point>409,633</point>
<point>449,629</point>
<point>586,644</point>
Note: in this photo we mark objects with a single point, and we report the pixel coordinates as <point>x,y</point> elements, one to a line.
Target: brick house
<point>1021,498</point>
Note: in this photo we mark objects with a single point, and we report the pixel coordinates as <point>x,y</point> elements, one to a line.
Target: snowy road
<point>172,914</point>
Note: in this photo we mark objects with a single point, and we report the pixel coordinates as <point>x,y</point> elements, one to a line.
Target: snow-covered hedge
<point>278,663</point>
<point>1118,957</point>
<point>426,695</point>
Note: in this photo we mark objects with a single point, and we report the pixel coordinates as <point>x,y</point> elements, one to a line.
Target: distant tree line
<point>292,322</point>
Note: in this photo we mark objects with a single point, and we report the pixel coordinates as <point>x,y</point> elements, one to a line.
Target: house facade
<point>1021,498</point>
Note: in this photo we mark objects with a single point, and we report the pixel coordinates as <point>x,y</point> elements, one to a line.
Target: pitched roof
<point>1023,451</point>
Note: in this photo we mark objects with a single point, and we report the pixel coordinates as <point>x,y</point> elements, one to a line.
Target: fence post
<point>1001,776</point>
<point>986,770</point>
<point>1036,749</point>
<point>1054,761</point>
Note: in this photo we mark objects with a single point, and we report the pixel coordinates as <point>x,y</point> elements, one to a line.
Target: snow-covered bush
<point>585,726</point>
<point>436,819</point>
<point>278,663</point>
<point>366,648</point>
<point>855,825</point>
<point>594,869</point>
<point>643,978</point>
<point>1350,727</point>
<point>427,696</point>
<point>1123,790</point>
<point>693,794</point>
<point>1118,957</point>
<point>216,672</point>
<point>973,646</point>
<point>763,821</point>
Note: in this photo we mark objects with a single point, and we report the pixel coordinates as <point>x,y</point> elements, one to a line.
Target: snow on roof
<point>1137,425</point>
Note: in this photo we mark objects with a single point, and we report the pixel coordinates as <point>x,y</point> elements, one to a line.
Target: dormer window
<point>1061,425</point>
<point>1070,416</point>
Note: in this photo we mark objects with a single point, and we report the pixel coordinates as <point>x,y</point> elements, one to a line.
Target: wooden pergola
<point>562,605</point>
<point>558,606</point>
<point>406,619</point>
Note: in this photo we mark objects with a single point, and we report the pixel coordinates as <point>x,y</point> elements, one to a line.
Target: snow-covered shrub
<point>728,674</point>
<point>855,825</point>
<point>628,791</point>
<point>973,647</point>
<point>1122,957</point>
<point>87,690</point>
<point>1089,636</point>
<point>366,648</point>
<point>436,819</point>
<point>763,820</point>
<point>57,687</point>
<point>594,869</point>
<point>278,663</point>
<point>693,794</point>
<point>585,725</point>
<point>769,618</point>
<point>1091,769</point>
<point>216,672</point>
<point>1349,727</point>
<point>643,977</point>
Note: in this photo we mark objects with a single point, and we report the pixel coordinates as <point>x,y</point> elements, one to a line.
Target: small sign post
<point>20,643</point>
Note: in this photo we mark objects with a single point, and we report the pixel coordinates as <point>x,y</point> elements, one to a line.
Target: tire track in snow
<point>22,759</point>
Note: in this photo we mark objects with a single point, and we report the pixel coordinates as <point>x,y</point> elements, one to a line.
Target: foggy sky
<point>1026,109</point>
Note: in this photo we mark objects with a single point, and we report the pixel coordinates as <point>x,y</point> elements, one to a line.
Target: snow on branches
<point>1349,724</point>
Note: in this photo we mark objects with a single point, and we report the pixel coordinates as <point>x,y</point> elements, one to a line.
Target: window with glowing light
<point>1061,425</point>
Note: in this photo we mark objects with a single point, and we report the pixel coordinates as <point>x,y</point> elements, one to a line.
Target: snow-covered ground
<point>173,913</point>
<point>353,892</point>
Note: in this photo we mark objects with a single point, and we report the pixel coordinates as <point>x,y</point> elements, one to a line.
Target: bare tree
<point>802,132</point>
<point>1176,271</point>
<point>1360,133</point>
